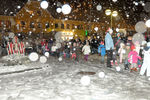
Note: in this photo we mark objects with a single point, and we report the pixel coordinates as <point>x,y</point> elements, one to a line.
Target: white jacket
<point>86,50</point>
<point>146,63</point>
<point>54,48</point>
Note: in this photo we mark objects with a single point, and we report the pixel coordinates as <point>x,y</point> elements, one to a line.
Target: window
<point>68,26</point>
<point>62,26</point>
<point>39,25</point>
<point>87,27</point>
<point>47,25</point>
<point>39,13</point>
<point>81,26</point>
<point>56,25</point>
<point>0,23</point>
<point>73,26</point>
<point>78,27</point>
<point>22,23</point>
<point>8,24</point>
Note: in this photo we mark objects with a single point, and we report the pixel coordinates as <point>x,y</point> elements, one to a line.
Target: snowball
<point>11,35</point>
<point>46,54</point>
<point>59,4</point>
<point>33,56</point>
<point>99,7</point>
<point>147,23</point>
<point>58,45</point>
<point>101,74</point>
<point>60,59</point>
<point>138,38</point>
<point>140,27</point>
<point>58,10</point>
<point>144,42</point>
<point>118,69</point>
<point>18,7</point>
<point>147,7</point>
<point>66,9</point>
<point>85,80</point>
<point>96,28</point>
<point>44,4</point>
<point>58,37</point>
<point>43,59</point>
<point>114,0</point>
<point>117,29</point>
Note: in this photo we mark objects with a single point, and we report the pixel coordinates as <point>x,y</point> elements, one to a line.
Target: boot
<point>116,63</point>
<point>126,67</point>
<point>131,70</point>
<point>135,69</point>
<point>112,63</point>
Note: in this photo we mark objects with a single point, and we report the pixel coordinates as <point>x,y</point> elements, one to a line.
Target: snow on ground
<point>61,81</point>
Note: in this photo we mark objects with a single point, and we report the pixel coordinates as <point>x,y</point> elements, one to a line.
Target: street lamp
<point>113,14</point>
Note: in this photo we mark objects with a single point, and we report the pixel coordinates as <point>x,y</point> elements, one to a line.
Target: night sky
<point>131,11</point>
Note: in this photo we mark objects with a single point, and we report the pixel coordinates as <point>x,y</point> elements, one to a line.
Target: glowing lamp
<point>108,12</point>
<point>114,13</point>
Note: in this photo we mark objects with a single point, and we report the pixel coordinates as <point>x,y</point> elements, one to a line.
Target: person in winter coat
<point>133,57</point>
<point>126,63</point>
<point>117,41</point>
<point>114,57</point>
<point>78,51</point>
<point>54,50</point>
<point>73,51</point>
<point>67,50</point>
<point>102,50</point>
<point>121,52</point>
<point>109,45</point>
<point>86,51</point>
<point>146,61</point>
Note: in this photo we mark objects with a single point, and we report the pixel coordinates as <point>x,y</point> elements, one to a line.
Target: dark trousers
<point>109,58</point>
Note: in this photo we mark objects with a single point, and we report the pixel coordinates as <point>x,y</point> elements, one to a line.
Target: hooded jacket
<point>109,44</point>
<point>133,57</point>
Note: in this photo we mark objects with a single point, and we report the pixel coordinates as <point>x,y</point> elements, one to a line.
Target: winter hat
<point>109,30</point>
<point>148,44</point>
<point>118,34</point>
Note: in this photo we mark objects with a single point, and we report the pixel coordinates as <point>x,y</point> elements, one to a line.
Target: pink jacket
<point>133,57</point>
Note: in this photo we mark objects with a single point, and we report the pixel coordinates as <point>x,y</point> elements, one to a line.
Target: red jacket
<point>133,57</point>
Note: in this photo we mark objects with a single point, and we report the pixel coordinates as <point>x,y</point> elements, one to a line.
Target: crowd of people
<point>115,50</point>
<point>134,56</point>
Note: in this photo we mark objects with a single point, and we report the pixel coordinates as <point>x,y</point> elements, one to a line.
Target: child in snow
<point>121,52</point>
<point>146,61</point>
<point>133,57</point>
<point>73,51</point>
<point>67,50</point>
<point>114,57</point>
<point>126,63</point>
<point>102,50</point>
<point>54,50</point>
<point>86,51</point>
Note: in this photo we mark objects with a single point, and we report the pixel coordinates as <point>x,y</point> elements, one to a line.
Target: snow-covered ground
<point>61,81</point>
